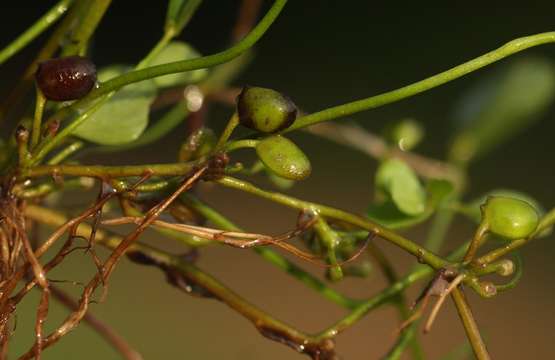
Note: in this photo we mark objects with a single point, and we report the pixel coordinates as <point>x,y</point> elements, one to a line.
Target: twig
<point>470,325</point>
<point>372,145</point>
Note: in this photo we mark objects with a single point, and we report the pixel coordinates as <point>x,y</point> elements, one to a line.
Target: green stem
<point>100,171</point>
<point>241,144</point>
<point>143,74</point>
<point>477,241</point>
<point>421,253</point>
<point>273,257</point>
<point>509,48</point>
<point>407,337</point>
<point>160,45</point>
<point>37,120</point>
<point>436,236</point>
<point>89,20</point>
<point>329,240</point>
<point>470,325</point>
<point>66,152</point>
<point>193,64</point>
<point>49,18</point>
<point>231,125</point>
<point>383,297</point>
<point>183,15</point>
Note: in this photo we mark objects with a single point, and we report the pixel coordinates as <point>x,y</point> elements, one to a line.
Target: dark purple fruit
<point>67,78</point>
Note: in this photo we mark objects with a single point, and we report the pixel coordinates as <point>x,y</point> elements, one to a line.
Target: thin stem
<point>193,64</point>
<point>49,18</point>
<point>477,241</point>
<point>273,257</point>
<point>89,20</point>
<point>100,171</point>
<point>383,297</point>
<point>421,253</point>
<point>241,144</point>
<point>509,48</point>
<point>407,337</point>
<point>152,72</point>
<point>37,120</point>
<point>231,125</point>
<point>66,152</point>
<point>160,45</point>
<point>470,325</point>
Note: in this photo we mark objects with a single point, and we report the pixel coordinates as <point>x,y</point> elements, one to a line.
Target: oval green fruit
<point>509,217</point>
<point>281,156</point>
<point>265,110</point>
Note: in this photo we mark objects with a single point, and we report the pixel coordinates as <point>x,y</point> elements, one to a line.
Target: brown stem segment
<point>470,325</point>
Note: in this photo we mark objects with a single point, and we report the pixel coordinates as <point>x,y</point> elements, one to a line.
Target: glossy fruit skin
<point>281,156</point>
<point>265,110</point>
<point>67,78</point>
<point>509,217</point>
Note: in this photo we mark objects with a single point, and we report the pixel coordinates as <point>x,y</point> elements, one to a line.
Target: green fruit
<point>281,156</point>
<point>509,217</point>
<point>265,110</point>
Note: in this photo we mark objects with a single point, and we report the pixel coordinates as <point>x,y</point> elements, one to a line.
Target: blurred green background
<point>321,53</point>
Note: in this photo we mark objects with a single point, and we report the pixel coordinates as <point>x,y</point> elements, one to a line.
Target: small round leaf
<point>124,117</point>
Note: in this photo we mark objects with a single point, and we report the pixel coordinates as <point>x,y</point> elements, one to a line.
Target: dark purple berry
<point>67,78</point>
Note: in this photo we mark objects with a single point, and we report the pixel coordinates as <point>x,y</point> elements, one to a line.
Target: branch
<point>509,48</point>
<point>422,254</point>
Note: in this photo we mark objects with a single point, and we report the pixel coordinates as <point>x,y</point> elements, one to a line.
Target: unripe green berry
<point>281,156</point>
<point>265,110</point>
<point>509,217</point>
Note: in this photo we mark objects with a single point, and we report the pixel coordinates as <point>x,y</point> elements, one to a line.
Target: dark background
<point>322,53</point>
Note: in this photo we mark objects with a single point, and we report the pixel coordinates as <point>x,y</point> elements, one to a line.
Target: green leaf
<point>388,214</point>
<point>124,117</point>
<point>401,184</point>
<point>177,51</point>
<point>502,105</point>
<point>472,208</point>
<point>179,13</point>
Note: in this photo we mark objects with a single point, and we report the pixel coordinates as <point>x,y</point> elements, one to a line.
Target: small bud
<point>265,110</point>
<point>21,134</point>
<point>488,289</point>
<point>506,267</point>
